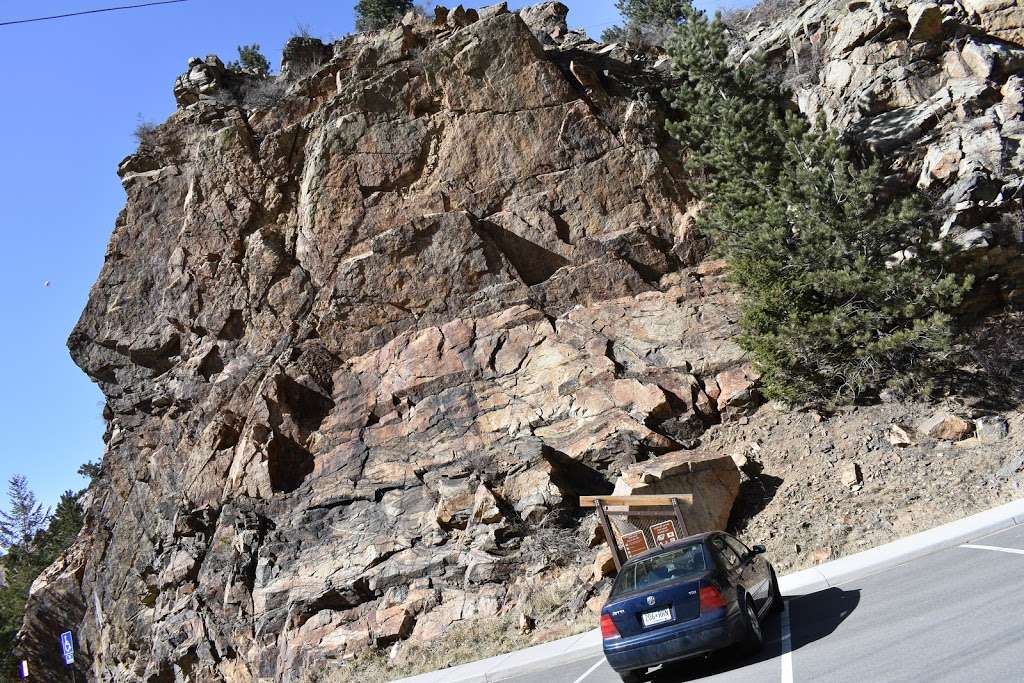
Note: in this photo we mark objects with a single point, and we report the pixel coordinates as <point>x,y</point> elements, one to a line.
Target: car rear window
<point>656,569</point>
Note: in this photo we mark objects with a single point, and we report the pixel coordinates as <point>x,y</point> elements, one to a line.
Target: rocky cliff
<point>367,330</point>
<point>934,88</point>
<point>360,345</point>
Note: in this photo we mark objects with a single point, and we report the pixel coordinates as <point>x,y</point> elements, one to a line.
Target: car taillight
<point>711,598</point>
<point>608,628</point>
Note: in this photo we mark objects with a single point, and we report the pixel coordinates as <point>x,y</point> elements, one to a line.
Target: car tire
<point>632,676</point>
<point>753,636</point>
<point>777,604</point>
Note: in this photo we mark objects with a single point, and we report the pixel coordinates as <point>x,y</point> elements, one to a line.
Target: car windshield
<point>664,566</point>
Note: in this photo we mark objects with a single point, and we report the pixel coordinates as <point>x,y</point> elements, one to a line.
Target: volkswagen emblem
<point>650,599</point>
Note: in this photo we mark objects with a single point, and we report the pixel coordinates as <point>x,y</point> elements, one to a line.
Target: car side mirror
<point>758,550</point>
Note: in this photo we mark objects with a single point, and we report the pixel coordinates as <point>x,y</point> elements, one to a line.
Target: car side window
<point>724,552</point>
<point>737,547</point>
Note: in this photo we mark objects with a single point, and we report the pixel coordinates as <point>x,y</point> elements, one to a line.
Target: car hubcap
<point>754,623</point>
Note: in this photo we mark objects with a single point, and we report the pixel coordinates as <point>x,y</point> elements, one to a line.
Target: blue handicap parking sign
<point>67,647</point>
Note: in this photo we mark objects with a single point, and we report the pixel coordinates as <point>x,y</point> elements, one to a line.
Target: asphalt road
<point>955,615</point>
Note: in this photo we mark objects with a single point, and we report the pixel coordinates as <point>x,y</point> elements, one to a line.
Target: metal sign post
<point>67,650</point>
<point>609,535</point>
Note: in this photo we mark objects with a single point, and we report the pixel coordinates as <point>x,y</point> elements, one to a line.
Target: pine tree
<point>64,526</point>
<point>653,12</point>
<point>648,22</point>
<point>91,470</point>
<point>828,313</point>
<point>25,561</point>
<point>25,518</point>
<point>250,61</point>
<point>376,14</point>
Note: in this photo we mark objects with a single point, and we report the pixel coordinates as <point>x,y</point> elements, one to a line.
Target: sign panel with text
<point>664,533</point>
<point>634,543</point>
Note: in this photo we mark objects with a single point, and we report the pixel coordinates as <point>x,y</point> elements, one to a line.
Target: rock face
<point>937,85</point>
<point>366,330</point>
<point>358,344</point>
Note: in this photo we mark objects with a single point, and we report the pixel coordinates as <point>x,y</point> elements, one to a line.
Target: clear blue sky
<point>73,92</point>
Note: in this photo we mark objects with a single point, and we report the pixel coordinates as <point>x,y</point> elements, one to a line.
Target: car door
<point>756,577</point>
<point>728,560</point>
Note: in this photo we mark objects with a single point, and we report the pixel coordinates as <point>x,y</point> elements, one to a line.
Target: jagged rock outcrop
<point>367,329</point>
<point>361,339</point>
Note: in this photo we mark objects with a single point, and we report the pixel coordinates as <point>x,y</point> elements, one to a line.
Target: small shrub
<point>372,15</point>
<point>263,94</point>
<point>157,140</point>
<point>147,134</point>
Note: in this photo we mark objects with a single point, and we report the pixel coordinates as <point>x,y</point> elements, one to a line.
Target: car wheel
<point>753,641</point>
<point>632,676</point>
<point>777,603</point>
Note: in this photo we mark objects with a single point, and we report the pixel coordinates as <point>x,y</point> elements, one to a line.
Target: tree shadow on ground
<point>989,374</point>
<point>812,617</point>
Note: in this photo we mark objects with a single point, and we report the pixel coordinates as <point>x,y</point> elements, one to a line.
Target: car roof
<point>689,540</point>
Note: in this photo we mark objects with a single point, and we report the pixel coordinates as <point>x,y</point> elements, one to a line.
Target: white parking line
<point>1015,551</point>
<point>590,670</point>
<point>787,646</point>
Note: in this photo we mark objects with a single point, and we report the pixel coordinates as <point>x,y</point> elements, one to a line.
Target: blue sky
<point>73,92</point>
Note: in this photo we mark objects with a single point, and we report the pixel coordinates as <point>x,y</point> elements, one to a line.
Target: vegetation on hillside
<point>31,539</point>
<point>250,61</point>
<point>375,14</point>
<point>646,22</point>
<point>843,288</point>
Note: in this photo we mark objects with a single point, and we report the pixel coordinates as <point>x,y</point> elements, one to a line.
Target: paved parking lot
<point>954,615</point>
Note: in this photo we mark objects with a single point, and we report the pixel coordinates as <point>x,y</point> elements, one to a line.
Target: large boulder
<point>712,478</point>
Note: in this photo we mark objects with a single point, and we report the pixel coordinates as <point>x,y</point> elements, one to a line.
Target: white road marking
<point>787,646</point>
<point>589,671</point>
<point>1015,551</point>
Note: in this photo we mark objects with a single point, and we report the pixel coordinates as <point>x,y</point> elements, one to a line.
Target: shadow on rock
<point>812,617</point>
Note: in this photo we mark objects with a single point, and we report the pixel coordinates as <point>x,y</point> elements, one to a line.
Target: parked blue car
<point>688,598</point>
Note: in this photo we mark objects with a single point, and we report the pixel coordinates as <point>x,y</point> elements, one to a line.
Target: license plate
<point>657,617</point>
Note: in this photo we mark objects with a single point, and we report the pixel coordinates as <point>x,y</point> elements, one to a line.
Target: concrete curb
<point>588,645</point>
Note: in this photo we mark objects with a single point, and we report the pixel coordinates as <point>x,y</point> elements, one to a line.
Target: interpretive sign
<point>634,543</point>
<point>664,533</point>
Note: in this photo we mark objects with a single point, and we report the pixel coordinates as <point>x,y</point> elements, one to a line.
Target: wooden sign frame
<point>620,505</point>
